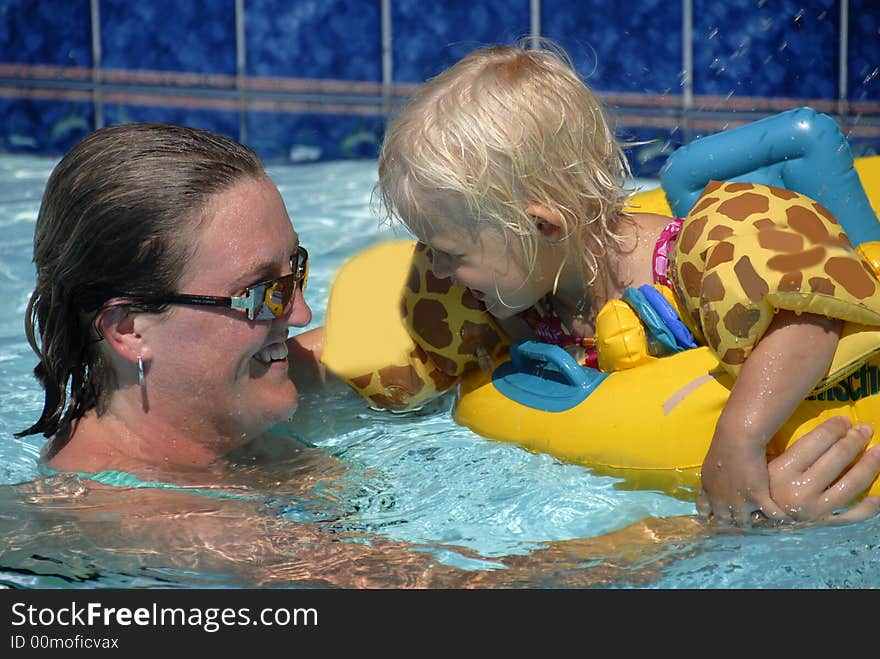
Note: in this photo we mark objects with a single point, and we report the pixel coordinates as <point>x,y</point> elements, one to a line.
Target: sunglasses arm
<point>244,303</point>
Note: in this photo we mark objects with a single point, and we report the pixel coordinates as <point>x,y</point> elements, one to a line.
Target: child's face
<point>493,267</point>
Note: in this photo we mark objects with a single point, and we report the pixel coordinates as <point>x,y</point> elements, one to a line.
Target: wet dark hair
<point>115,221</point>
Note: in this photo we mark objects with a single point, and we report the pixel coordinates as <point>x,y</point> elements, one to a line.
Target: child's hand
<point>806,480</point>
<point>789,359</point>
<point>736,486</point>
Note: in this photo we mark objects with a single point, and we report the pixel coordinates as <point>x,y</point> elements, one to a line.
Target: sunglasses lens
<point>274,296</point>
<point>305,275</point>
<point>301,267</point>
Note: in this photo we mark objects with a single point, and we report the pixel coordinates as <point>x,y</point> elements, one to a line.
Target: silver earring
<point>140,370</point>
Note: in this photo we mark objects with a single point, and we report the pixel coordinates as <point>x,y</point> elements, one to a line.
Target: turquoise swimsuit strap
<point>116,478</point>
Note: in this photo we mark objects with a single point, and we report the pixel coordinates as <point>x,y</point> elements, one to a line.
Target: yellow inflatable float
<point>648,413</point>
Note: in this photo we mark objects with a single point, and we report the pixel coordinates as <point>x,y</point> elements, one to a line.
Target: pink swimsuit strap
<point>662,250</point>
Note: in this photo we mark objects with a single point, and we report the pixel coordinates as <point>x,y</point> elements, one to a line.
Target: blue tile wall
<point>625,46</point>
<point>431,36</point>
<point>223,122</point>
<point>312,89</point>
<point>325,39</point>
<point>864,51</point>
<point>196,36</point>
<point>766,48</point>
<point>50,127</point>
<point>280,137</point>
<point>51,32</point>
<point>648,148</point>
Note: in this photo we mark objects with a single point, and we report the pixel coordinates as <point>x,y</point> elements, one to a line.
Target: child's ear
<point>549,222</point>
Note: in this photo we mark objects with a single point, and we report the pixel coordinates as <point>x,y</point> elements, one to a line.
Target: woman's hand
<point>816,478</point>
<point>806,480</point>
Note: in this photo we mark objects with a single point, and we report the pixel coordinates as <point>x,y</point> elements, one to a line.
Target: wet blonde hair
<point>504,128</point>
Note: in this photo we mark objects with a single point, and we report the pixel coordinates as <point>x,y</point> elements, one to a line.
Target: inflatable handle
<point>549,354</point>
<point>532,377</point>
<point>799,149</point>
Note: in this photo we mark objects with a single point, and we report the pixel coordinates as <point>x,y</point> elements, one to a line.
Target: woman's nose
<point>300,314</point>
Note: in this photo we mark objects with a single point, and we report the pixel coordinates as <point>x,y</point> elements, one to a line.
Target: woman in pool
<point>168,273</point>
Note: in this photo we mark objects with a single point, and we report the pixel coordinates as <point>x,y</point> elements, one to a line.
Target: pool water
<point>417,479</point>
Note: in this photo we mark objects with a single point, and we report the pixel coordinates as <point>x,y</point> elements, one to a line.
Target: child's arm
<point>785,364</point>
<point>304,360</point>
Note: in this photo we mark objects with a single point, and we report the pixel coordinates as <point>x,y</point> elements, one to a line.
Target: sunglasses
<point>263,301</point>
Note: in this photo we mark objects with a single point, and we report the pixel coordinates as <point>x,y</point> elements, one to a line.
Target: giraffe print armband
<point>446,321</point>
<point>399,336</point>
<point>747,250</point>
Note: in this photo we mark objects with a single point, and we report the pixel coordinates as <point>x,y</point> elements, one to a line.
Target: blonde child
<point>506,167</point>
